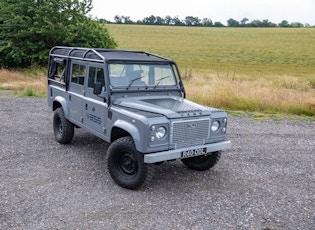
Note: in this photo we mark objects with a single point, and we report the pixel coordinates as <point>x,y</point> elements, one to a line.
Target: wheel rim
<point>128,164</point>
<point>59,125</point>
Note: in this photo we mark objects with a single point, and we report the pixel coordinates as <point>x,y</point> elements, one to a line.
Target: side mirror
<point>97,90</point>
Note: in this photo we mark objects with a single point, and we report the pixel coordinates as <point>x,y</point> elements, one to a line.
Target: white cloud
<point>274,10</point>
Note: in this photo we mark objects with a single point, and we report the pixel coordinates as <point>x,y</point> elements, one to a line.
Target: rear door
<point>76,91</point>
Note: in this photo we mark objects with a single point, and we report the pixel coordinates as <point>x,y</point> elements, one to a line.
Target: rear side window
<point>57,69</point>
<point>78,73</point>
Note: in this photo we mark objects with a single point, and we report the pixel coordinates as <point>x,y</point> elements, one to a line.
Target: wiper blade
<point>159,81</point>
<point>132,81</point>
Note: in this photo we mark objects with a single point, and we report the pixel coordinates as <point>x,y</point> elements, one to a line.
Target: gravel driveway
<point>265,181</point>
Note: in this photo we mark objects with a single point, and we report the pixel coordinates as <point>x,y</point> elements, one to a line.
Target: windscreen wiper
<point>159,81</point>
<point>132,81</point>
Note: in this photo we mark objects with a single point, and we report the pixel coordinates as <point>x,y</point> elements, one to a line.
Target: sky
<point>219,10</point>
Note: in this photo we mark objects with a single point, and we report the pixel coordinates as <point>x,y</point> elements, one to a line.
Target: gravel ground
<point>265,181</point>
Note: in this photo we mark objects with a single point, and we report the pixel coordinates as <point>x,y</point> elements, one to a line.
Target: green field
<point>245,51</point>
<point>253,69</point>
<point>261,70</point>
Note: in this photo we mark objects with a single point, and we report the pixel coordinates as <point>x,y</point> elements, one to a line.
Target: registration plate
<point>194,152</point>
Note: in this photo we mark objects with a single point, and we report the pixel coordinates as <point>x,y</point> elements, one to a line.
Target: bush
<point>29,29</point>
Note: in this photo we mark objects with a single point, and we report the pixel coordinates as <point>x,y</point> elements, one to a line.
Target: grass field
<point>252,69</point>
<point>268,70</point>
<point>26,82</point>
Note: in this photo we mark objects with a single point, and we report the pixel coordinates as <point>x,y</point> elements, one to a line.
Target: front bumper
<point>177,153</point>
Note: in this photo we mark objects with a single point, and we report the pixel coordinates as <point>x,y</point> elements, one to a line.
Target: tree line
<point>204,22</point>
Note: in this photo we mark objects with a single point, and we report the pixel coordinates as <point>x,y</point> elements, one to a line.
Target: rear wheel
<point>202,163</point>
<point>126,165</point>
<point>63,128</point>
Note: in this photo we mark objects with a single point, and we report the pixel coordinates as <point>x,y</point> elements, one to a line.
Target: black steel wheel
<point>63,128</point>
<point>202,163</point>
<point>126,165</point>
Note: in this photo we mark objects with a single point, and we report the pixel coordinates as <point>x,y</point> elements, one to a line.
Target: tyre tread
<point>148,170</point>
<point>68,128</point>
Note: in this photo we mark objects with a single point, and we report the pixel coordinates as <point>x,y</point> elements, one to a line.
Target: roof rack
<point>92,54</point>
<point>77,53</point>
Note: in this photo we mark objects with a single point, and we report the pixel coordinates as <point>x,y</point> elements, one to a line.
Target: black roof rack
<point>102,55</point>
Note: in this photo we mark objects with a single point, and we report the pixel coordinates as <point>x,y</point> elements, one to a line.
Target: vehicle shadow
<point>174,176</point>
<point>168,176</point>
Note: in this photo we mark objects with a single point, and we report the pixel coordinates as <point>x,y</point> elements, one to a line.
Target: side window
<point>61,68</point>
<point>78,74</point>
<point>96,74</point>
<point>57,69</point>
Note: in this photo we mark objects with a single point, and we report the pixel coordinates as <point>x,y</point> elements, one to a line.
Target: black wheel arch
<point>117,133</point>
<point>56,105</point>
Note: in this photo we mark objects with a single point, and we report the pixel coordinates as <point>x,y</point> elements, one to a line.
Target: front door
<point>94,108</point>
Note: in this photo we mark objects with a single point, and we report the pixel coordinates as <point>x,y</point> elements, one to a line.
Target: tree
<point>149,20</point>
<point>29,28</point>
<point>177,22</point>
<point>118,19</point>
<point>123,20</point>
<point>127,20</point>
<point>296,24</point>
<point>218,24</point>
<point>207,22</point>
<point>192,21</point>
<point>255,23</point>
<point>159,20</point>
<point>168,20</point>
<point>243,22</point>
<point>266,23</point>
<point>284,23</point>
<point>233,23</point>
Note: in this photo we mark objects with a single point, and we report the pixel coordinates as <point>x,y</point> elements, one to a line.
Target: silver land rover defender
<point>135,101</point>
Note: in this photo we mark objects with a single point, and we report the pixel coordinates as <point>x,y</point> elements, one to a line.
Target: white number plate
<point>194,152</point>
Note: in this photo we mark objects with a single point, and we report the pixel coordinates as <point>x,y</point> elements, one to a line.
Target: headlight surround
<point>215,126</point>
<point>160,132</point>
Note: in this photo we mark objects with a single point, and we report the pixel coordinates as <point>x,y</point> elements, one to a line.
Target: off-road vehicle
<point>134,100</point>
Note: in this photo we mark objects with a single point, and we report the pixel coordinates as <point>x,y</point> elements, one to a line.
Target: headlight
<point>160,132</point>
<point>215,126</point>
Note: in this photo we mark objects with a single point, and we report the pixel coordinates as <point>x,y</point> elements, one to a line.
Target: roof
<point>102,55</point>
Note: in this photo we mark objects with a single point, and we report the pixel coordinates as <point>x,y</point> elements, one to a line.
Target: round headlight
<point>215,126</point>
<point>160,132</point>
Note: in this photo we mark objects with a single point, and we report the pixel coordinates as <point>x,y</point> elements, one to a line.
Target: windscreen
<point>141,75</point>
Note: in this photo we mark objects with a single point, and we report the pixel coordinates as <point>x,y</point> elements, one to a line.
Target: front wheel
<point>126,165</point>
<point>63,128</point>
<point>202,163</point>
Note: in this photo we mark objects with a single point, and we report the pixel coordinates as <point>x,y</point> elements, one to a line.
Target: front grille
<point>190,133</point>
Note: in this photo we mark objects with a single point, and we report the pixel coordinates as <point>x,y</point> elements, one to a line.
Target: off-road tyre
<point>202,163</point>
<point>126,165</point>
<point>63,128</point>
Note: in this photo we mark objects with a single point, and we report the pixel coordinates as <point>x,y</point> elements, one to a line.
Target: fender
<point>64,105</point>
<point>132,130</point>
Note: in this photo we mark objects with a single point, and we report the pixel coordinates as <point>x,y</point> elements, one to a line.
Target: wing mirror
<point>97,90</point>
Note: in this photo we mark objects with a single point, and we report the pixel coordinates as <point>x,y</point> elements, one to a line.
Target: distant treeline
<point>205,22</point>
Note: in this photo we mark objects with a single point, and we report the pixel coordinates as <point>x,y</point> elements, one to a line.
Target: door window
<point>96,74</point>
<point>78,73</point>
